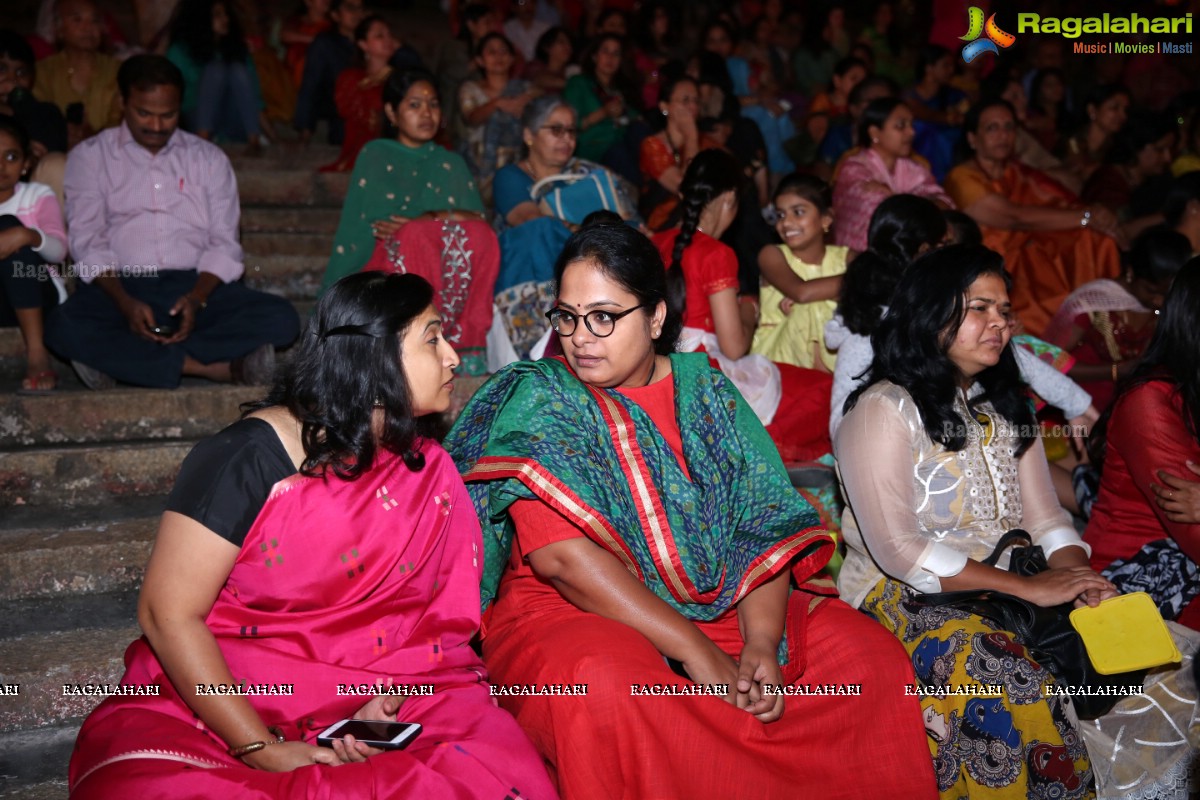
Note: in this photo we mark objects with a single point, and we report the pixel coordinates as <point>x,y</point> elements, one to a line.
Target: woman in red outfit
<point>1152,427</point>
<point>359,90</point>
<point>791,401</point>
<point>642,533</point>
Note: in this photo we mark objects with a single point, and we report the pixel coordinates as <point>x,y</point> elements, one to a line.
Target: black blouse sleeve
<point>226,478</point>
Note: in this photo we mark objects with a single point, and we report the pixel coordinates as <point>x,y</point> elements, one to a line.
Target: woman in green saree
<point>412,206</point>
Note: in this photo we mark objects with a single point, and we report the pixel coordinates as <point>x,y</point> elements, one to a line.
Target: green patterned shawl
<point>537,431</point>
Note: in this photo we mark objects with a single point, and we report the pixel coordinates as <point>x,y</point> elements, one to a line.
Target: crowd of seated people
<point>694,246</point>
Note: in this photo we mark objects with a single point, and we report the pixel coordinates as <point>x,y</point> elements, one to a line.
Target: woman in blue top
<point>532,231</point>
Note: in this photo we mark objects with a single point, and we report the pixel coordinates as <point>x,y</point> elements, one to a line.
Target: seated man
<point>152,215</point>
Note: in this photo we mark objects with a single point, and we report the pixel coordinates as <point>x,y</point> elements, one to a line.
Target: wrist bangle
<point>1114,372</point>
<point>1087,217</point>
<point>254,747</point>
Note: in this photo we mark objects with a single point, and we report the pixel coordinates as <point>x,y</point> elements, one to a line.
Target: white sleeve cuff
<point>1058,538</point>
<point>37,248</point>
<point>940,562</point>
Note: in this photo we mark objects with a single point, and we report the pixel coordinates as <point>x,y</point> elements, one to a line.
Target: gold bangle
<point>254,747</point>
<point>1114,372</point>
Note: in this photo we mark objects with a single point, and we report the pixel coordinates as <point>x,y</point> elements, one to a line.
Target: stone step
<point>292,187</point>
<point>256,245</point>
<point>282,219</point>
<point>89,474</point>
<point>55,789</point>
<point>77,561</point>
<point>122,414</point>
<point>66,612</point>
<point>41,664</point>
<point>93,473</point>
<point>282,155</point>
<point>33,763</point>
<point>296,277</point>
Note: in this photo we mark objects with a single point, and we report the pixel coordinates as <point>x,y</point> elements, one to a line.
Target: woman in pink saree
<point>319,559</point>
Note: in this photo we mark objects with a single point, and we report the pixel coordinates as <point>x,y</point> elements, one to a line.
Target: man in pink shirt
<point>152,215</point>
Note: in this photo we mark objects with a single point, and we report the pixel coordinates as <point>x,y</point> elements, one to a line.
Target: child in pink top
<point>32,237</point>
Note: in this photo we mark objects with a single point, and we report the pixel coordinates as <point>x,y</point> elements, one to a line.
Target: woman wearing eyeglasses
<point>640,534</point>
<point>533,231</point>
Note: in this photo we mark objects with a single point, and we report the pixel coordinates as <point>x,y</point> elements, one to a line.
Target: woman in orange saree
<point>1051,243</point>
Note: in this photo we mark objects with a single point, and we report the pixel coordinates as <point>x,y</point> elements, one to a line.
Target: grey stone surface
<point>42,664</point>
<point>90,474</point>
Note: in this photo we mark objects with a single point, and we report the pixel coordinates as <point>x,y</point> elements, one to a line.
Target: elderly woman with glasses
<point>640,540</point>
<point>533,227</point>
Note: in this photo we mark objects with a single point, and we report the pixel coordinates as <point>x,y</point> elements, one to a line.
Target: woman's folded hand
<point>709,665</point>
<point>759,667</point>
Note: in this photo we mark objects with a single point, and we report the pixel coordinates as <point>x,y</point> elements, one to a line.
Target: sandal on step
<point>34,384</point>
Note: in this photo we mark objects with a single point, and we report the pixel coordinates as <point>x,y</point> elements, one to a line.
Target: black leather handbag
<point>1046,633</point>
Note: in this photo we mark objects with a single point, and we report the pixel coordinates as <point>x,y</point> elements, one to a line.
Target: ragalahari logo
<point>977,28</point>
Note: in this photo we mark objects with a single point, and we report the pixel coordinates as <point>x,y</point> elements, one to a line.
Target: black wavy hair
<point>1184,190</point>
<point>346,365</point>
<point>487,39</point>
<point>644,25</point>
<point>711,174</point>
<point>1101,94</point>
<point>870,83</point>
<point>1158,255</point>
<point>13,127</point>
<point>928,55</point>
<point>1138,132</point>
<point>146,71</point>
<point>361,31</point>
<point>627,257</point>
<point>1063,119</point>
<point>541,51</point>
<point>471,12</point>
<point>961,228</point>
<point>808,187</point>
<point>14,46</point>
<point>193,28</point>
<point>1170,357</point>
<point>875,115</point>
<point>912,343</point>
<point>899,227</point>
<point>848,63</point>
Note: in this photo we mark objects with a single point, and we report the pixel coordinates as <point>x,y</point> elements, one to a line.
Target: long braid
<point>711,174</point>
<point>693,205</point>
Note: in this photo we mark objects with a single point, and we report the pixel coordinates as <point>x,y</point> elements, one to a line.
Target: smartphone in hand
<point>381,734</point>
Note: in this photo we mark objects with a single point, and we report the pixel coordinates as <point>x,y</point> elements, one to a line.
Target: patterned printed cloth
<point>1024,742</point>
<point>536,431</point>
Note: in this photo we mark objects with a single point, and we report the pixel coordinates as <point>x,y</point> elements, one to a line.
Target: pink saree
<point>374,581</point>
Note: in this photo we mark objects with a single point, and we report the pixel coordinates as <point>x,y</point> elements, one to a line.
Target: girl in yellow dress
<point>801,278</point>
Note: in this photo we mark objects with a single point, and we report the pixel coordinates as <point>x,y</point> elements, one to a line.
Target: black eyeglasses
<point>600,323</point>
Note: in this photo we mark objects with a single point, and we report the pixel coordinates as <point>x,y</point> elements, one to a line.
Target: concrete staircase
<point>83,479</point>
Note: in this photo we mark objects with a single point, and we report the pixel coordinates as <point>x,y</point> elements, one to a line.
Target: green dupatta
<point>392,178</point>
<point>536,431</point>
